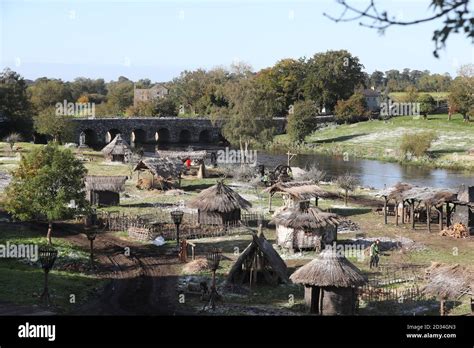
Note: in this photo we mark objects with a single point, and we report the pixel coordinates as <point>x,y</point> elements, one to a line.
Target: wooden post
<point>403,211</point>
<point>440,212</point>
<point>385,210</point>
<point>270,202</point>
<point>412,214</point>
<point>442,309</point>
<point>428,220</point>
<point>448,214</point>
<point>396,213</point>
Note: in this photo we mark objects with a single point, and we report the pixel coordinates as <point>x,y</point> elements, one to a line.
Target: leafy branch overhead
<point>456,16</point>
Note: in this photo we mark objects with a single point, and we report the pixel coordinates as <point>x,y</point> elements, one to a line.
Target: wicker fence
<point>149,226</point>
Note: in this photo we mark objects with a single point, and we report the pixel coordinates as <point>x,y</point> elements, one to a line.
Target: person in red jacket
<point>188,163</point>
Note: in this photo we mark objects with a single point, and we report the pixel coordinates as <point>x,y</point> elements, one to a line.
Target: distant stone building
<point>147,94</point>
<point>372,98</point>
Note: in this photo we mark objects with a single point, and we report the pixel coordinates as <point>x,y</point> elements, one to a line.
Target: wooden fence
<point>152,225</point>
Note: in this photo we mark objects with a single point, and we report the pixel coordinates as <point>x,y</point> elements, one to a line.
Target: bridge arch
<point>185,136</point>
<point>90,137</point>
<point>163,136</point>
<point>205,136</point>
<point>138,136</point>
<point>111,134</point>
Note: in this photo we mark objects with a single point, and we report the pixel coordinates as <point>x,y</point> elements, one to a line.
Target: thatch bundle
<point>303,190</point>
<point>306,219</point>
<point>427,195</point>
<point>117,147</point>
<point>219,198</point>
<point>105,183</point>
<point>329,269</point>
<point>183,155</point>
<point>449,281</point>
<point>161,167</point>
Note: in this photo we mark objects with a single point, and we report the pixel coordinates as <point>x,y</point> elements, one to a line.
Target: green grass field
<point>398,96</point>
<point>381,140</point>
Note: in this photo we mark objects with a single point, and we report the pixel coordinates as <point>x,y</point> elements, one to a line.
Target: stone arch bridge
<point>148,130</point>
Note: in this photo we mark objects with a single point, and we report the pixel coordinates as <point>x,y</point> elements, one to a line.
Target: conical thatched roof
<point>162,167</point>
<point>118,146</point>
<point>449,281</point>
<point>275,261</point>
<point>329,269</point>
<point>302,190</point>
<point>309,219</point>
<point>105,183</point>
<point>219,198</point>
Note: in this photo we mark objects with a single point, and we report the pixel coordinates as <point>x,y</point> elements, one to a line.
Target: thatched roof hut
<point>330,283</point>
<point>258,263</point>
<point>449,282</point>
<point>161,167</point>
<point>297,191</point>
<point>219,204</point>
<point>305,228</point>
<point>183,155</point>
<point>104,190</point>
<point>117,150</point>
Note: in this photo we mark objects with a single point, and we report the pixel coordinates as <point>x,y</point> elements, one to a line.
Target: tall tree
<point>45,183</point>
<point>57,126</point>
<point>461,96</point>
<point>332,76</point>
<point>14,104</point>
<point>45,93</point>
<point>301,122</point>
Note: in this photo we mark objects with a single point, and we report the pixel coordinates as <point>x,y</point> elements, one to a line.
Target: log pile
<point>455,231</point>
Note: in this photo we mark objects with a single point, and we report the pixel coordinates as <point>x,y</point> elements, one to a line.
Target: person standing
<point>374,254</point>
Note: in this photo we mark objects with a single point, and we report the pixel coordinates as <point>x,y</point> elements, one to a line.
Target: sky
<point>159,39</point>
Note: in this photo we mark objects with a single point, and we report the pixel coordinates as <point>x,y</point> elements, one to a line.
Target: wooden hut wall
<point>289,238</point>
<point>215,218</point>
<point>104,198</point>
<point>338,301</point>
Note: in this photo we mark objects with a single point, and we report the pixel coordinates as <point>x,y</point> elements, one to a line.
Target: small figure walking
<point>374,254</point>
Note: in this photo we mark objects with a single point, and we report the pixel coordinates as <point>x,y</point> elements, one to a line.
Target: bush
<point>301,123</point>
<point>352,110</point>
<point>427,104</point>
<point>313,174</point>
<point>417,144</point>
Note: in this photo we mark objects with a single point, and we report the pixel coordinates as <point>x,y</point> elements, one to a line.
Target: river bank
<point>379,140</point>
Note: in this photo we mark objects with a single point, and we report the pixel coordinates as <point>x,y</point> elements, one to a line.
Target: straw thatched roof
<point>449,281</point>
<point>302,190</point>
<point>329,269</point>
<point>260,243</point>
<point>183,155</point>
<point>161,167</point>
<point>105,183</point>
<point>118,146</point>
<point>219,198</point>
<point>429,195</point>
<point>307,219</point>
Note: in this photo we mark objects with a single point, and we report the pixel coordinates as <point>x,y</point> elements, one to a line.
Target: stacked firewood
<point>455,231</point>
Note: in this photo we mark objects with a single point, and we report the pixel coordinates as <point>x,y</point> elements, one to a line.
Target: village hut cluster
<point>427,205</point>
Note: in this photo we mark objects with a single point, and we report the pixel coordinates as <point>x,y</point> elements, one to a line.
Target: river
<point>372,173</point>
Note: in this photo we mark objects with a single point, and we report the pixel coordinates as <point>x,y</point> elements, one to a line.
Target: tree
<point>301,122</point>
<point>461,96</point>
<point>14,103</point>
<point>352,110</point>
<point>348,183</point>
<point>84,86</point>
<point>332,76</point>
<point>248,119</point>
<point>120,96</point>
<point>45,93</point>
<point>427,105</point>
<point>456,14</point>
<point>11,139</point>
<point>47,180</point>
<point>57,126</point>
<point>411,95</point>
<point>160,107</point>
<point>377,79</point>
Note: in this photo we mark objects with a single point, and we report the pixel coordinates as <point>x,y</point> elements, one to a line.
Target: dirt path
<point>143,283</point>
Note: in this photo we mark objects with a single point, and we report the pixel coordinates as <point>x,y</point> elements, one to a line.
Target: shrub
<point>352,110</point>
<point>417,144</point>
<point>301,123</point>
<point>313,174</point>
